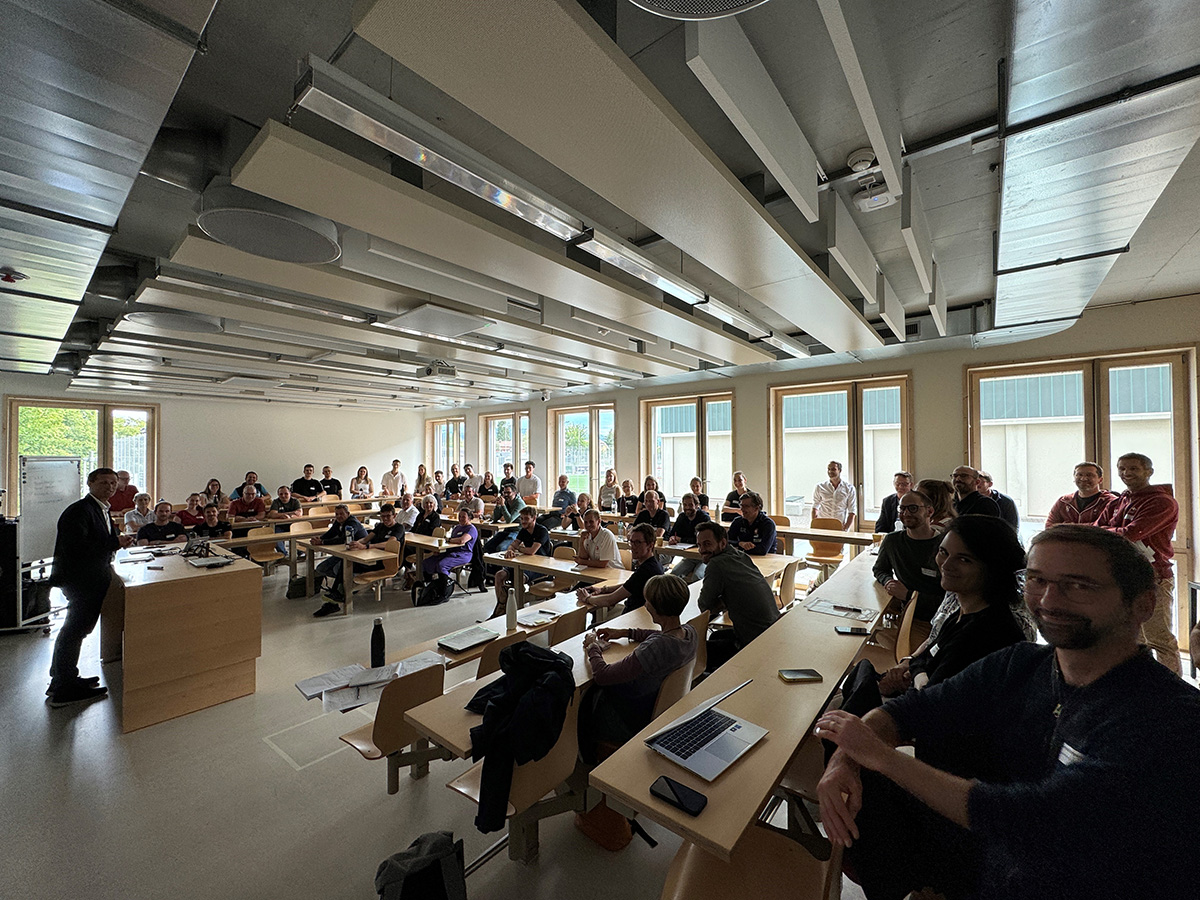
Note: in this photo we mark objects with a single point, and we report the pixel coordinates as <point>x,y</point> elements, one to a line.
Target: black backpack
<point>430,869</point>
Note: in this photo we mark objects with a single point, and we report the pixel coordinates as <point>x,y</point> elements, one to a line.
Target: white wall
<point>203,438</point>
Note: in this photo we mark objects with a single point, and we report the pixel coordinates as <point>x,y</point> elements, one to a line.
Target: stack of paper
<point>534,618</point>
<point>313,687</point>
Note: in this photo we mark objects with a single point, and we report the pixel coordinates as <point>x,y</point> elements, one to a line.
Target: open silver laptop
<point>706,740</point>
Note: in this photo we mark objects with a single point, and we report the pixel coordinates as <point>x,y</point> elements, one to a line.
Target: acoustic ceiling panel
<point>29,349</point>
<point>573,97</point>
<point>34,316</point>
<point>58,258</point>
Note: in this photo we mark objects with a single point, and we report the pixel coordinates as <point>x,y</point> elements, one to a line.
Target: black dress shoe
<point>327,610</point>
<point>76,693</point>
<point>90,681</point>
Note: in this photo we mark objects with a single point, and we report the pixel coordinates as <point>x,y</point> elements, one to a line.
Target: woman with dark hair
<point>941,495</point>
<point>978,560</point>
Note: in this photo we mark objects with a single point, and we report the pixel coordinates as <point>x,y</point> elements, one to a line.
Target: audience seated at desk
<point>212,527</point>
<point>361,485</point>
<point>941,496</point>
<point>406,511</point>
<point>507,509</point>
<point>330,485</point>
<point>529,488</point>
<point>732,508</point>
<point>164,529</point>
<point>907,563</point>
<point>460,544</point>
<point>968,500</point>
<point>422,482</point>
<point>455,485</point>
<point>470,478</point>
<point>252,486</point>
<point>426,521</point>
<point>343,531</point>
<point>752,531</point>
<point>284,506</point>
<point>141,514</point>
<point>1087,504</point>
<point>620,701</point>
<point>696,486</point>
<point>470,502</point>
<point>249,508</point>
<point>653,513</point>
<point>192,514</point>
<point>488,489</point>
<point>642,541</point>
<point>1008,506</point>
<point>124,497</point>
<point>530,539</point>
<point>563,499</point>
<point>572,517</point>
<point>650,485</point>
<point>888,509</point>
<point>834,498</point>
<point>684,532</point>
<point>732,582</point>
<point>307,489</point>
<point>437,490</point>
<point>394,482</point>
<point>212,493</point>
<point>598,547</point>
<point>978,559</point>
<point>1066,771</point>
<point>627,501</point>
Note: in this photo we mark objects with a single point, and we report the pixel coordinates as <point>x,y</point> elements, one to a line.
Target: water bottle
<point>510,610</point>
<point>377,643</point>
<point>348,534</point>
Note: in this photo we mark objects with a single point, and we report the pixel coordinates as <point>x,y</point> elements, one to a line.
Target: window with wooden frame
<point>445,444</point>
<point>504,438</point>
<point>866,425</point>
<point>686,438</point>
<point>118,436</point>
<point>582,446</point>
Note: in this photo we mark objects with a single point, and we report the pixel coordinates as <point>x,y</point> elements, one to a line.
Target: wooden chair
<point>674,687</point>
<point>558,583</point>
<point>389,734</point>
<point>391,566</point>
<point>626,559</point>
<point>489,660</point>
<point>787,585</point>
<point>264,553</point>
<point>782,545</point>
<point>568,625</point>
<point>826,555</point>
<point>527,800</point>
<point>700,623</point>
<point>766,865</point>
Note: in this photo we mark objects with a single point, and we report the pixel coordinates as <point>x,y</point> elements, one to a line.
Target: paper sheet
<point>421,661</point>
<point>816,604</point>
<point>375,676</point>
<point>313,687</point>
<point>348,698</point>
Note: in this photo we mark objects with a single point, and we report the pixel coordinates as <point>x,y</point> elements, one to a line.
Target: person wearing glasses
<point>645,566</point>
<point>1032,765</point>
<point>906,563</point>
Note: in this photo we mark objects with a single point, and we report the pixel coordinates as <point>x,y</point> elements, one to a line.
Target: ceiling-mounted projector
<point>437,369</point>
<point>696,10</point>
<point>872,197</point>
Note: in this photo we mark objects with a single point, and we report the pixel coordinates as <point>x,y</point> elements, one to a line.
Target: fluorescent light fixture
<point>620,253</point>
<point>487,346</point>
<point>787,345</point>
<point>731,315</point>
<point>332,95</point>
<point>524,353</point>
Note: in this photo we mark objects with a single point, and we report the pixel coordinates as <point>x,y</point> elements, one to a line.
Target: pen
<point>847,608</point>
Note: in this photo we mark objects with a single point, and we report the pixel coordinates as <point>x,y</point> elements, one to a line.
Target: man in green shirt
<point>732,581</point>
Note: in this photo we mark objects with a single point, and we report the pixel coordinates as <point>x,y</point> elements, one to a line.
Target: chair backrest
<point>534,780</point>
<point>262,551</point>
<point>568,625</point>
<point>787,585</point>
<point>391,565</point>
<point>391,732</point>
<point>300,526</point>
<point>782,544</point>
<point>564,552</point>
<point>904,637</point>
<point>439,532</point>
<point>626,558</point>
<point>700,623</point>
<point>489,661</point>
<point>826,548</point>
<point>674,687</point>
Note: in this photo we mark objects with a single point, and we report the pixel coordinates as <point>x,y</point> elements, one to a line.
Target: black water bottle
<point>377,643</point>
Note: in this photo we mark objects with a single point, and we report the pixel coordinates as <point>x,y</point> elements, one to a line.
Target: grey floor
<point>255,798</point>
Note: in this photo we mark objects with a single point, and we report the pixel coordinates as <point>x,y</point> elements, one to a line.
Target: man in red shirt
<point>1146,514</point>
<point>123,498</point>
<point>1087,504</point>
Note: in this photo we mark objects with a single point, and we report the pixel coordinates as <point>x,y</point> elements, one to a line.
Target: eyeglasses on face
<point>1076,590</point>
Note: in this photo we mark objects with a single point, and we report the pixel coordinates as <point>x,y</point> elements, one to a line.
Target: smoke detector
<point>860,160</point>
<point>266,227</point>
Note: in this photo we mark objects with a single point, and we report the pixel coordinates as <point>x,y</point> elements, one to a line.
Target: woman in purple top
<point>460,544</point>
<point>620,702</point>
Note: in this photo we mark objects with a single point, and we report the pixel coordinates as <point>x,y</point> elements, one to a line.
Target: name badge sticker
<point>931,573</point>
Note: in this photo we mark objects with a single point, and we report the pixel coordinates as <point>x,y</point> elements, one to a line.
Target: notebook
<point>707,740</point>
<point>466,639</point>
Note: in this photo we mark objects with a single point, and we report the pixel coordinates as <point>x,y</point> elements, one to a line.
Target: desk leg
<point>348,585</point>
<point>292,558</point>
<point>310,570</point>
<point>519,585</point>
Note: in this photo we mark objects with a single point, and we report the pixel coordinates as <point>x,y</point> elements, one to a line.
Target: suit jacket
<point>84,548</point>
<point>888,511</point>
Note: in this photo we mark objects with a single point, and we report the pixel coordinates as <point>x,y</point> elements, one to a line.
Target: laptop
<point>466,639</point>
<point>706,740</point>
<point>210,562</point>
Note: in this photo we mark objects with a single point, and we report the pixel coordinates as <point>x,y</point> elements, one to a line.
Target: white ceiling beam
<point>847,245</point>
<point>723,59</point>
<point>890,307</point>
<point>937,302</point>
<point>860,50</point>
<point>914,227</point>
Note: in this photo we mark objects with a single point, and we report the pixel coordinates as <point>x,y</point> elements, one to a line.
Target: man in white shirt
<point>470,502</point>
<point>406,512</point>
<point>394,482</point>
<point>835,499</point>
<point>529,488</point>
<point>598,549</point>
<point>472,479</point>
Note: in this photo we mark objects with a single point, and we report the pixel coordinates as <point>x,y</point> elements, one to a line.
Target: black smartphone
<point>800,676</point>
<point>679,795</point>
<point>850,629</point>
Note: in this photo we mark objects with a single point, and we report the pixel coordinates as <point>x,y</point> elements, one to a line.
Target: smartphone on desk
<point>851,629</point>
<point>679,795</point>
<point>800,676</point>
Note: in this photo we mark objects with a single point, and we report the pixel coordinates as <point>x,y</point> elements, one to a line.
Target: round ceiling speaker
<point>172,320</point>
<point>695,10</point>
<point>266,227</point>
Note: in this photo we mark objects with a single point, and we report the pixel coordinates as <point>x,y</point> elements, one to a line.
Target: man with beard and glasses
<point>1066,770</point>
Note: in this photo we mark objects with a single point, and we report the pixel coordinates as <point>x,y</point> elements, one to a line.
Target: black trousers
<point>83,612</point>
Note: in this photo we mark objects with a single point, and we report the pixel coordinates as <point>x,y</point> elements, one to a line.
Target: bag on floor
<point>297,588</point>
<point>430,869</point>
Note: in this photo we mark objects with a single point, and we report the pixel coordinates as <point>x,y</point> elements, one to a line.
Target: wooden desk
<point>548,565</point>
<point>423,544</point>
<point>486,526</point>
<point>789,711</point>
<point>185,638</point>
<point>856,540</point>
<point>348,558</point>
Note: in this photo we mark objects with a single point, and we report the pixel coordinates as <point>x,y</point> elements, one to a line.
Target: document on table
<point>313,687</point>
<point>536,617</point>
<point>374,676</point>
<point>829,608</point>
<point>421,661</point>
<point>681,546</point>
<point>348,698</point>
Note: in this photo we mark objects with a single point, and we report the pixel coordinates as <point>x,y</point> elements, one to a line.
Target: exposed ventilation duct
<point>118,282</point>
<point>184,158</point>
<point>256,224</point>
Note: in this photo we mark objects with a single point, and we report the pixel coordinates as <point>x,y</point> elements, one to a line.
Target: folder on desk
<point>466,639</point>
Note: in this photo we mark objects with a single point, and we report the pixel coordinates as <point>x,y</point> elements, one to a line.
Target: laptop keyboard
<point>691,736</point>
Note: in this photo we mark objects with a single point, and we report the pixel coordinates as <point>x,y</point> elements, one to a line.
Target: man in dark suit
<point>83,553</point>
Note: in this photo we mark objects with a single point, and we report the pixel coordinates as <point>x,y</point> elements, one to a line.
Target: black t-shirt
<point>662,498</point>
<point>660,519</point>
<point>204,530</point>
<point>330,486</point>
<point>154,532</point>
<point>701,500</point>
<point>455,485</point>
<point>488,490</point>
<point>426,523</point>
<point>307,487</point>
<point>380,533</point>
<point>685,528</point>
<point>635,585</point>
<point>509,480</point>
<point>539,536</point>
<point>731,499</point>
